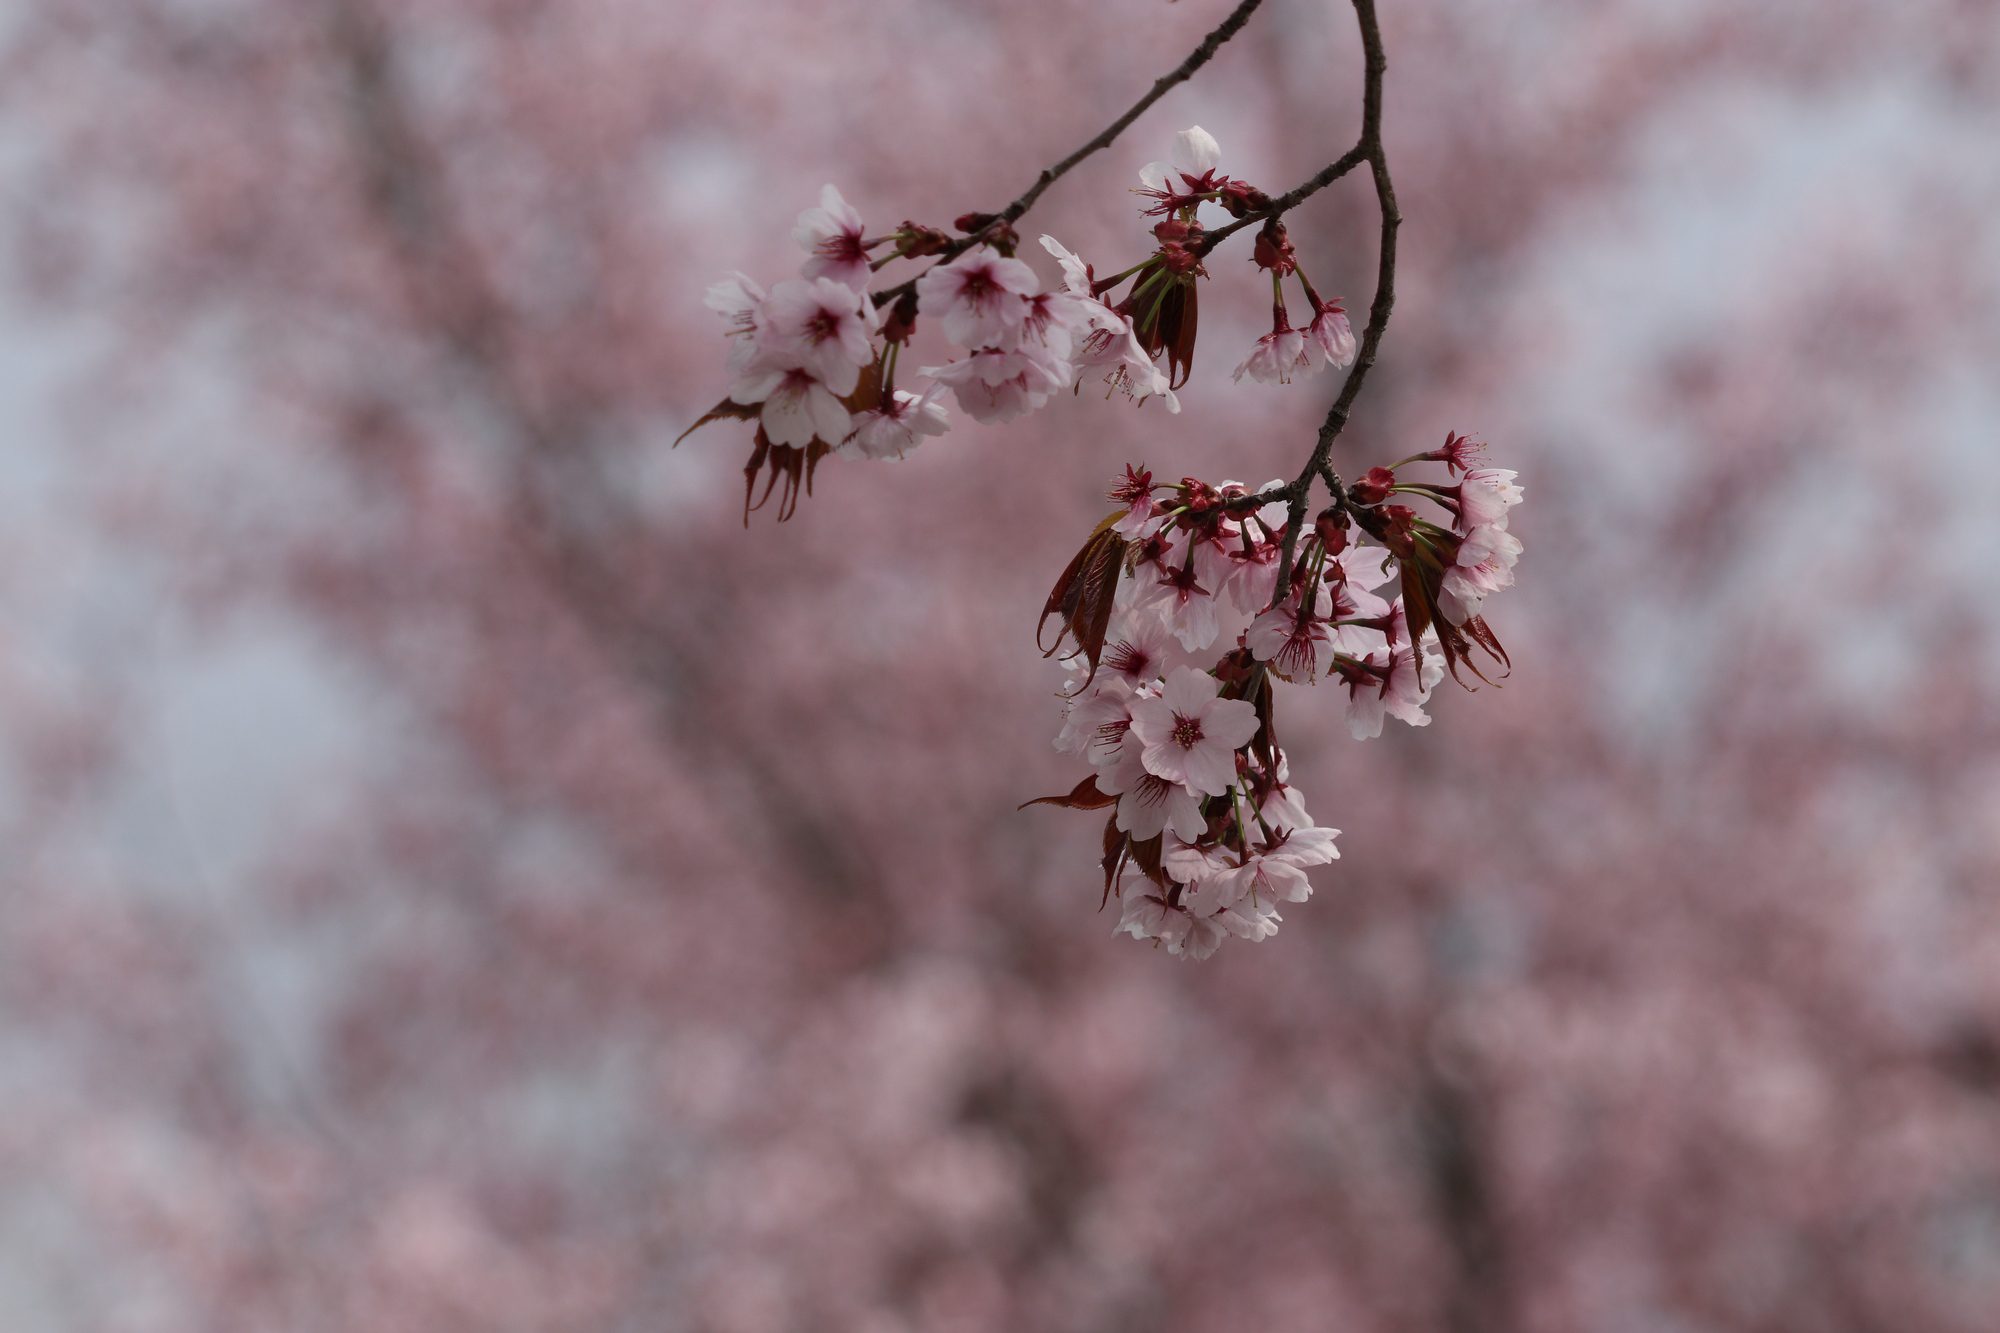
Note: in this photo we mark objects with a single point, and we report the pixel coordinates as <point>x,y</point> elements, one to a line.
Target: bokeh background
<point>453,877</point>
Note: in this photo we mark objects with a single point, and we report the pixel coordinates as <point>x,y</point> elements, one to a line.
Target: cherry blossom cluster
<point>1207,837</point>
<point>1190,604</point>
<point>814,361</point>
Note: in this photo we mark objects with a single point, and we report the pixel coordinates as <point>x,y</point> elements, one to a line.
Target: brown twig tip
<point>1369,149</point>
<point>1103,139</point>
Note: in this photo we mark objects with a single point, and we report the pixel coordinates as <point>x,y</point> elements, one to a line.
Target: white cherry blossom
<point>817,325</point>
<point>979,298</point>
<point>899,425</point>
<point>1190,734</point>
<point>831,235</point>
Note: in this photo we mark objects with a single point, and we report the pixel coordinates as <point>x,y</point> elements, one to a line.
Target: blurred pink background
<point>452,877</point>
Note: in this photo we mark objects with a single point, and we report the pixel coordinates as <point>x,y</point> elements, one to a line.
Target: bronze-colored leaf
<point>1083,796</point>
<point>725,410</point>
<point>1146,856</point>
<point>1083,595</point>
<point>1265,742</point>
<point>1178,319</point>
<point>1421,584</point>
<point>867,393</point>
<point>758,454</point>
<point>1482,634</point>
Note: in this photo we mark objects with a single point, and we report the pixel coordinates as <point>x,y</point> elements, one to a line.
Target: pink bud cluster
<point>1182,631</point>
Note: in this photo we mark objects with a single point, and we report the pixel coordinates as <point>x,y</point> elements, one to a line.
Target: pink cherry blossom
<point>1147,916</point>
<point>999,386</point>
<point>1365,566</point>
<point>831,234</point>
<point>1110,343</point>
<point>1258,923</point>
<point>817,325</point>
<point>1484,565</point>
<point>1190,863</point>
<point>1269,799</point>
<point>1331,335</point>
<point>1105,339</point>
<point>1076,273</point>
<point>1298,649</point>
<point>1095,723</point>
<point>1049,324</point>
<point>1137,652</point>
<point>1485,496</point>
<point>899,425</point>
<point>1397,685</point>
<point>1275,870</point>
<point>1278,356</point>
<point>1147,803</point>
<point>797,406</point>
<point>1349,576</point>
<point>737,299</point>
<point>978,298</point>
<point>1195,157</point>
<point>1187,605</point>
<point>1191,734</point>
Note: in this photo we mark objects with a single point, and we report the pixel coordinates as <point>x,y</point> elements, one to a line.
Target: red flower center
<point>1187,731</point>
<point>822,326</point>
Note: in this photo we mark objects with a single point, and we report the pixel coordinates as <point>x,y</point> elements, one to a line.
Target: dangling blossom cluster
<point>814,360</point>
<point>1192,602</point>
<point>1181,631</point>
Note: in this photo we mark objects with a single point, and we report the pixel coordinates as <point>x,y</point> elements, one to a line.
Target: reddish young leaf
<point>1083,796</point>
<point>1083,595</point>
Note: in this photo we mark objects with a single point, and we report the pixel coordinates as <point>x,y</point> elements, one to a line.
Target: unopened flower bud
<point>1241,199</point>
<point>916,240</point>
<point>1172,229</point>
<point>1274,249</point>
<point>1373,488</point>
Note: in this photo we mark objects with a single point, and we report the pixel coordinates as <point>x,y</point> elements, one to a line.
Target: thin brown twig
<point>1289,200</point>
<point>1180,74</point>
<point>1368,150</point>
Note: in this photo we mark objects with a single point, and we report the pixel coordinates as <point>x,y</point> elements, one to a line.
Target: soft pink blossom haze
<point>453,877</point>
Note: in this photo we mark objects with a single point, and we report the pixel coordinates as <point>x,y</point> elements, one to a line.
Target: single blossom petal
<point>1196,151</point>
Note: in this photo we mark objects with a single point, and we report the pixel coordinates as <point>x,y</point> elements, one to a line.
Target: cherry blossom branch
<point>1368,150</point>
<point>1180,74</point>
<point>1185,750</point>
